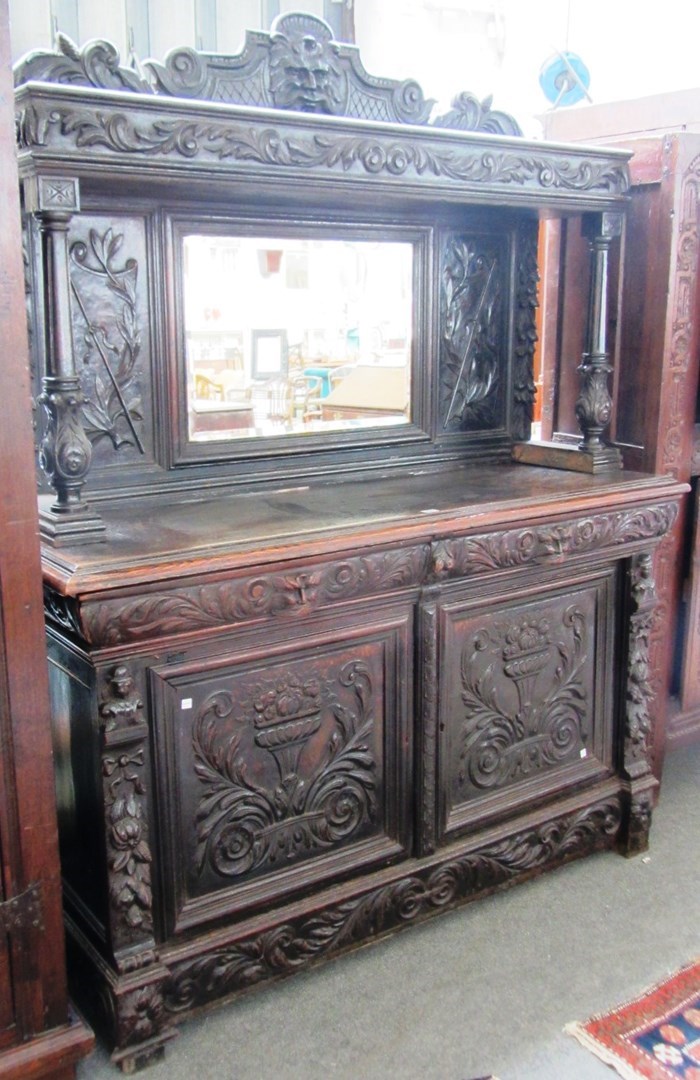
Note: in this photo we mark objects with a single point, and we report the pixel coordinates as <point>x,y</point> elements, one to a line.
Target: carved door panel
<point>286,763</point>
<point>525,697</point>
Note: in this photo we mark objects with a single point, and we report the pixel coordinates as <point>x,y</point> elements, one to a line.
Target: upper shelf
<point>293,103</point>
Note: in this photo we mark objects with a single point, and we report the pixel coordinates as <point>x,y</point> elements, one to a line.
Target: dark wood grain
<point>655,407</point>
<point>37,1038</point>
<point>310,690</point>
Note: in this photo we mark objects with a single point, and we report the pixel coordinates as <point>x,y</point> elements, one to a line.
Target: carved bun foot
<point>633,838</point>
<point>140,1057</point>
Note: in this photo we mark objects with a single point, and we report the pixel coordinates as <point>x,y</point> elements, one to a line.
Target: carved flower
<point>374,158</point>
<point>126,833</point>
<point>397,160</point>
<point>141,1015</point>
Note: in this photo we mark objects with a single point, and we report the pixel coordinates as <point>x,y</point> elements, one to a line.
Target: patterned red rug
<point>656,1036</point>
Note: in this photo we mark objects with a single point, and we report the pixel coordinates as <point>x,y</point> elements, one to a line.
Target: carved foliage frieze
<point>293,945</point>
<point>112,622</point>
<point>240,145</point>
<point>245,822</point>
<point>248,599</point>
<point>525,698</point>
<point>124,780</point>
<point>471,333</point>
<point>107,333</point>
<point>471,555</point>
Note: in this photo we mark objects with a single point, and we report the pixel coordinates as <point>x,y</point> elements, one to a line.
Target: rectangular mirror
<point>296,335</point>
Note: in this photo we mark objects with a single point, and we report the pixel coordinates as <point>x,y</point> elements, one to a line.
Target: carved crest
<point>296,66</point>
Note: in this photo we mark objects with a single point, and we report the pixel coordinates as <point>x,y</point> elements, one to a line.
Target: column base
<point>565,455</point>
<point>66,530</point>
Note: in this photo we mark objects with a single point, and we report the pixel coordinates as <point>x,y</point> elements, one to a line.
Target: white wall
<point>632,48</point>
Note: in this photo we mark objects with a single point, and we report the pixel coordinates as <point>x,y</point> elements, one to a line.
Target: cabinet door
<point>525,697</point>
<point>287,763</point>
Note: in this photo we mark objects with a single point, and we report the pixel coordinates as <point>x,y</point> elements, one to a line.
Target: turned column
<point>66,451</point>
<point>594,403</point>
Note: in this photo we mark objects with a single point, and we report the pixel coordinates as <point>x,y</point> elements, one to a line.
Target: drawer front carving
<point>525,699</point>
<point>285,766</point>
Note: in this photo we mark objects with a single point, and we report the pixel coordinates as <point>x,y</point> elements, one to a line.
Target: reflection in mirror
<point>294,336</point>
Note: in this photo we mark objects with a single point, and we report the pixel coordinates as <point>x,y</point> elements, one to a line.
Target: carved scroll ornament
<point>242,144</point>
<point>499,744</point>
<point>112,622</point>
<point>243,825</point>
<point>471,555</point>
<point>293,945</point>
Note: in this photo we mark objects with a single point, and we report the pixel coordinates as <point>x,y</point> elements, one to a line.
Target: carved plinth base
<point>66,530</point>
<point>127,1010</point>
<point>147,1053</point>
<point>562,455</point>
<point>637,806</point>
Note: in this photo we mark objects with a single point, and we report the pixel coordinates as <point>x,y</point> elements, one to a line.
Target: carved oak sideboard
<point>316,675</point>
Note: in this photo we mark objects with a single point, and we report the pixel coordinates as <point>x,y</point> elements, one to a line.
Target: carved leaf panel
<point>473,371</point>
<point>285,766</point>
<point>525,699</point>
<point>111,337</point>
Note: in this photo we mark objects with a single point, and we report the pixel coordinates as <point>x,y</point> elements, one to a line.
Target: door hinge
<point>24,911</point>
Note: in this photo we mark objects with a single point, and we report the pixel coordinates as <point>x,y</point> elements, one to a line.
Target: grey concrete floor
<point>486,989</point>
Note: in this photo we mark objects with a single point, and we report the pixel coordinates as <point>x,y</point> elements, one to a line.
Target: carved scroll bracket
<point>66,452</point>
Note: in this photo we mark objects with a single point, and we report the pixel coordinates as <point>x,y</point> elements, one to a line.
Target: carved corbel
<point>65,452</point>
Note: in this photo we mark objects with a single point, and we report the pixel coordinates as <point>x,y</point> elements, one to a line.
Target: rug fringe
<point>604,1053</point>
